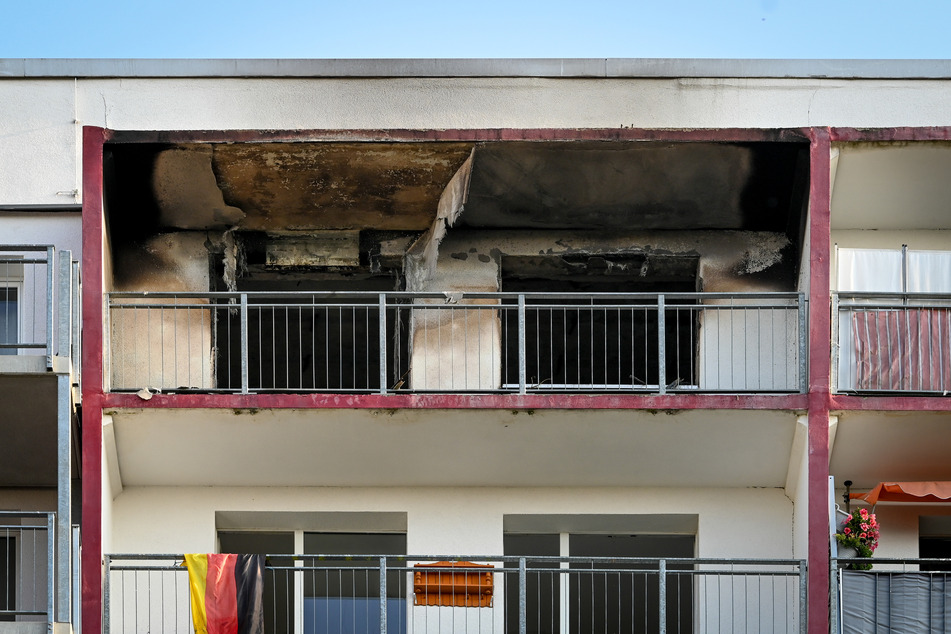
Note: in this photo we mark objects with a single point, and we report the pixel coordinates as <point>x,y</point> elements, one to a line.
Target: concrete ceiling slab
<point>173,447</point>
<point>633,186</point>
<point>892,186</point>
<point>872,447</point>
<point>301,186</point>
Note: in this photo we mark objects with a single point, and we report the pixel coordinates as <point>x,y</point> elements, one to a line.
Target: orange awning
<point>906,492</point>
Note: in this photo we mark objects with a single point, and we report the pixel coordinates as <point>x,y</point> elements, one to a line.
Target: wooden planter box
<point>442,584</point>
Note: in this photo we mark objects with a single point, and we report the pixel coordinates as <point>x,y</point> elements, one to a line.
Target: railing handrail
<point>908,296</point>
<point>26,514</point>
<point>893,560</point>
<point>448,295</point>
<point>490,558</point>
<point>24,247</point>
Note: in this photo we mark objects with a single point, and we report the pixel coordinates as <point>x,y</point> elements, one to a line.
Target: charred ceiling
<point>636,186</point>
<point>278,213</point>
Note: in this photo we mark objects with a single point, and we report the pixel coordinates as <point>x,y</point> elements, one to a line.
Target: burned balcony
<point>454,267</point>
<point>457,342</point>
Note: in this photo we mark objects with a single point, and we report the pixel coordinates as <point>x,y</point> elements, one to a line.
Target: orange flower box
<point>441,584</point>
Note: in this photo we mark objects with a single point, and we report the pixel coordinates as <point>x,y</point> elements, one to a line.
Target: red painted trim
<point>942,133</point>
<point>92,258</point>
<point>464,135</point>
<point>891,403</point>
<point>820,362</point>
<point>796,402</point>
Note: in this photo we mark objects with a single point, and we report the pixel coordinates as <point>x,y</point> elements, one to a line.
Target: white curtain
<point>929,271</point>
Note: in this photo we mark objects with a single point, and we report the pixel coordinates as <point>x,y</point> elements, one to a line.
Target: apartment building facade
<point>608,326</point>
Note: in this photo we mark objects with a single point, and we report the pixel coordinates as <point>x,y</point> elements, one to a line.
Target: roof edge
<point>622,68</point>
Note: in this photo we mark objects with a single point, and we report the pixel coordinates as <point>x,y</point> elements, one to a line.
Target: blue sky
<point>483,28</point>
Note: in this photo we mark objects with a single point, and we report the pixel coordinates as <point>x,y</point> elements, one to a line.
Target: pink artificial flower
<point>864,526</point>
<point>862,535</point>
<point>863,513</point>
<point>846,531</point>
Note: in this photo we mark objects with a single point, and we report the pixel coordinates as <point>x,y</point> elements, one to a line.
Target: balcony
<point>454,342</point>
<point>893,343</point>
<point>39,362</point>
<point>38,327</point>
<point>898,595</point>
<point>32,598</point>
<point>148,593</point>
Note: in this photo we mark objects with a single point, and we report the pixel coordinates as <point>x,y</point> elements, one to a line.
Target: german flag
<point>226,593</point>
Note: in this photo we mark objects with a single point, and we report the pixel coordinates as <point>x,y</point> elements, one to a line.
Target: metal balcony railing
<point>26,566</point>
<point>892,342</point>
<point>39,303</point>
<point>457,342</point>
<point>342,593</point>
<point>908,595</point>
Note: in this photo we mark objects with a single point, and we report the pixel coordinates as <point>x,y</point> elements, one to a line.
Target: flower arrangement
<point>860,531</point>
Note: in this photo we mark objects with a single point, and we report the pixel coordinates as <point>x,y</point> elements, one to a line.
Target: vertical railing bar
<point>522,587</point>
<point>661,346</point>
<point>382,305</point>
<point>245,344</point>
<point>662,597</point>
<point>64,298</point>
<point>836,348</point>
<point>106,592</point>
<point>75,321</point>
<point>50,566</point>
<point>521,343</point>
<point>50,280</point>
<point>803,361</point>
<point>382,590</point>
<point>75,577</point>
<point>803,605</point>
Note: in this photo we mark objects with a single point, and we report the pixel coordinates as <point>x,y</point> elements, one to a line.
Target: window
<point>934,542</point>
<point>11,306</point>
<point>341,597</point>
<point>338,594</point>
<point>7,577</point>
<point>622,600</point>
<point>278,584</point>
<point>311,342</point>
<point>9,318</point>
<point>605,343</point>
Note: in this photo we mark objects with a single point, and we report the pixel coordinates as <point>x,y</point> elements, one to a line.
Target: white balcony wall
<point>457,349</point>
<point>454,520</point>
<point>170,347</point>
<point>61,229</point>
<point>749,349</point>
<point>161,347</point>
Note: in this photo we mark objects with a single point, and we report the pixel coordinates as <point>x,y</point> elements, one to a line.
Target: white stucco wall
<point>61,229</point>
<point>42,118</point>
<point>732,522</point>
